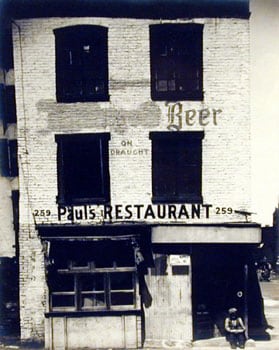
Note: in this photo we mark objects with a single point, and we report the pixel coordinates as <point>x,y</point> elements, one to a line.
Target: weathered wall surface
<point>129,116</point>
<point>7,234</point>
<point>68,333</point>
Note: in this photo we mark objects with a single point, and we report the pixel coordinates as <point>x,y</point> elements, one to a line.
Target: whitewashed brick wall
<point>129,116</point>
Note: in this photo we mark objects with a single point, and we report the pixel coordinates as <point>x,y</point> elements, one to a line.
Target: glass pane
<point>62,283</point>
<point>121,280</point>
<point>171,85</point>
<point>92,283</point>
<point>63,301</point>
<point>93,300</point>
<point>122,298</point>
<point>162,85</point>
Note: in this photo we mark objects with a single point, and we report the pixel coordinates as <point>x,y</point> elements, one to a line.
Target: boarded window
<point>176,62</point>
<point>177,166</point>
<point>81,63</point>
<point>83,168</point>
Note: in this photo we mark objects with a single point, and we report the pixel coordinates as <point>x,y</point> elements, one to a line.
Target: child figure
<point>235,329</point>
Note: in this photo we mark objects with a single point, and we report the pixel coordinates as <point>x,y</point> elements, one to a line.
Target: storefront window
<point>102,278</point>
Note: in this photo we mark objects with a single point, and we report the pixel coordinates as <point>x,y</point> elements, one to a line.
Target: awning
<point>71,242</point>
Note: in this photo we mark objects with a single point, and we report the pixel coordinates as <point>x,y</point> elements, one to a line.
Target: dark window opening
<point>176,62</point>
<point>81,63</point>
<point>8,158</point>
<point>83,168</point>
<point>10,104</point>
<point>177,167</point>
<point>101,278</point>
<point>7,105</point>
<point>15,203</point>
<point>6,43</point>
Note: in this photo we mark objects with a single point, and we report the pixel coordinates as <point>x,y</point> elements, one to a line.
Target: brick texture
<point>129,116</point>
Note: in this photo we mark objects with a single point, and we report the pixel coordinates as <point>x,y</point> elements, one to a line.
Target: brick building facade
<point>134,178</point>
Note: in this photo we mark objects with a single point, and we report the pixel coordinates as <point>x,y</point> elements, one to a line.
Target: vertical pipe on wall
<point>246,271</point>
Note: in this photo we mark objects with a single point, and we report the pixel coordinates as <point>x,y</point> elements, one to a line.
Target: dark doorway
<point>219,283</point>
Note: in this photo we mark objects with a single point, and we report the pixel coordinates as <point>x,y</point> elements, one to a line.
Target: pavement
<point>270,292</point>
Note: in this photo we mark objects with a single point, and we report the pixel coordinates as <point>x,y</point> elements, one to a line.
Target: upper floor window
<point>8,158</point>
<point>8,105</point>
<point>81,63</point>
<point>176,62</point>
<point>83,168</point>
<point>177,167</point>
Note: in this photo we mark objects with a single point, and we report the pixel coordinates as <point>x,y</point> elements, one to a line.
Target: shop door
<point>168,318</point>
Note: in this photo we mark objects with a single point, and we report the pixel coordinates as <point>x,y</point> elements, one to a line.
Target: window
<point>7,104</point>
<point>102,278</point>
<point>83,168</point>
<point>176,62</point>
<point>177,166</point>
<point>81,63</point>
<point>8,158</point>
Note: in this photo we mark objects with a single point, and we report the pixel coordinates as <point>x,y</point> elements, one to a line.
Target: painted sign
<point>135,212</point>
<point>179,260</point>
<point>178,116</point>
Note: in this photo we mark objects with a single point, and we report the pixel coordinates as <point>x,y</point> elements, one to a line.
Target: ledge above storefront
<point>211,233</point>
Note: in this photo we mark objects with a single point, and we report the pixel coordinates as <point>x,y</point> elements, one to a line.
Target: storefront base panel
<point>66,333</point>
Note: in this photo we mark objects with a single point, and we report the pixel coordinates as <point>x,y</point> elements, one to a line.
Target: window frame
<point>71,39</point>
<point>167,34</point>
<point>105,278</point>
<point>194,139</point>
<point>78,293</point>
<point>64,198</point>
